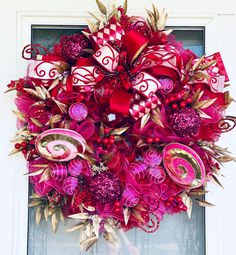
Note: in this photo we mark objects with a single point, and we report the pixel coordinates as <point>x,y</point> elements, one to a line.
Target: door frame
<point>25,20</point>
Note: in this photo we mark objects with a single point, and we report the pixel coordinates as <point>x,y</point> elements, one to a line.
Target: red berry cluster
<point>151,140</point>
<point>117,207</point>
<point>107,141</point>
<point>176,204</point>
<point>24,146</point>
<point>176,100</point>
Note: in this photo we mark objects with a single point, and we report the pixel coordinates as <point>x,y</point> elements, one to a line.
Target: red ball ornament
<point>174,106</point>
<point>183,104</point>
<point>24,144</point>
<point>17,146</point>
<point>149,140</point>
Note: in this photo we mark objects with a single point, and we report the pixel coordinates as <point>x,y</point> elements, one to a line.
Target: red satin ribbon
<point>120,102</point>
<point>134,43</point>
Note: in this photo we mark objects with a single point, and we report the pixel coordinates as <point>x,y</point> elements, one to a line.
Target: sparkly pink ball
<point>185,122</point>
<point>105,187</point>
<point>73,46</point>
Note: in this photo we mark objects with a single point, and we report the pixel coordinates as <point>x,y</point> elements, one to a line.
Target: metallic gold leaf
<point>208,64</point>
<point>203,114</point>
<point>156,117</point>
<point>198,192</point>
<point>126,212</point>
<point>38,215</point>
<point>14,151</point>
<point>101,7</point>
<point>19,115</point>
<point>92,27</point>
<point>45,176</point>
<point>36,122</point>
<point>76,227</point>
<point>46,214</point>
<point>198,63</point>
<point>125,6</point>
<point>96,225</point>
<point>80,216</point>
<point>119,131</point>
<point>62,217</point>
<point>54,222</point>
<point>33,93</point>
<point>214,179</point>
<point>204,103</point>
<point>155,12</point>
<point>35,203</point>
<point>199,75</point>
<point>86,34</point>
<point>94,16</point>
<point>54,84</point>
<point>90,243</point>
<point>37,172</point>
<point>61,106</point>
<point>144,120</point>
<point>204,203</point>
<point>35,195</point>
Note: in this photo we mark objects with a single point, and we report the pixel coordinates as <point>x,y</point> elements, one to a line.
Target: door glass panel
<point>177,234</point>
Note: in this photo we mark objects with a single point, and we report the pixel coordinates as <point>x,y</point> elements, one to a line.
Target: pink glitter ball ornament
<point>105,187</point>
<point>185,122</point>
<point>73,46</point>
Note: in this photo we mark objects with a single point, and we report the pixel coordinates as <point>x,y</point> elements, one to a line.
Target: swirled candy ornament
<point>183,165</point>
<point>59,144</point>
<point>78,111</point>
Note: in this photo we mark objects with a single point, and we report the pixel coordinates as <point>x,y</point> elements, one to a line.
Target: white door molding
<point>25,20</point>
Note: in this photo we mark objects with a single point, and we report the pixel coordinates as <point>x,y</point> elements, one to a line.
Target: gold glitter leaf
<point>76,227</point>
<point>101,7</point>
<point>214,179</point>
<point>38,215</point>
<point>144,120</point>
<point>204,203</point>
<point>54,222</point>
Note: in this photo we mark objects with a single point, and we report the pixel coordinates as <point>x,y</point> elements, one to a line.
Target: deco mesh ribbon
<point>118,125</point>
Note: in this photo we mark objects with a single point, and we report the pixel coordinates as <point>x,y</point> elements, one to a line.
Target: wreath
<point>118,125</point>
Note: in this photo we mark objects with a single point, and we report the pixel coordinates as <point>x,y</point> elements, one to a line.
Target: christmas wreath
<point>118,125</point>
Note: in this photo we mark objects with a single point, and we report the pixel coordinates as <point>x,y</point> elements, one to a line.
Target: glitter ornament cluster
<point>118,125</point>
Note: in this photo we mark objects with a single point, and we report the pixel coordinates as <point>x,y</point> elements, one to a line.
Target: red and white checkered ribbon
<point>140,107</point>
<point>112,32</point>
<point>216,74</point>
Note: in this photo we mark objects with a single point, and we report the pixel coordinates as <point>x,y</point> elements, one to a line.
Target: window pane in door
<point>177,234</point>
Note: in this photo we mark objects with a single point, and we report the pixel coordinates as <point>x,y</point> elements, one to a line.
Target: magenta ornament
<point>70,185</point>
<point>152,157</point>
<point>78,111</point>
<point>138,169</point>
<point>75,167</point>
<point>58,171</point>
<point>156,174</point>
<point>130,199</point>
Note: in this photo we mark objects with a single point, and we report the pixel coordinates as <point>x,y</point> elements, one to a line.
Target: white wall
<point>219,39</point>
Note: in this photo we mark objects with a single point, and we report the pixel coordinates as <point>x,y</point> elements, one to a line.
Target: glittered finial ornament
<point>185,122</point>
<point>105,187</point>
